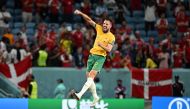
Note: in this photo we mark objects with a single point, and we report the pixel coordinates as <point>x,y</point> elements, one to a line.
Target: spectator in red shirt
<point>50,42</point>
<point>119,39</point>
<point>182,42</point>
<point>157,51</point>
<point>67,10</point>
<point>187,54</point>
<point>182,23</point>
<point>77,37</point>
<point>177,57</point>
<point>53,10</point>
<point>41,10</point>
<point>167,42</point>
<point>108,63</point>
<point>116,61</point>
<point>127,62</point>
<point>54,57</point>
<point>125,28</point>
<point>162,26</point>
<point>139,41</point>
<point>20,40</point>
<point>136,5</point>
<point>41,34</point>
<point>52,33</point>
<point>27,6</point>
<point>86,53</point>
<point>42,27</point>
<point>66,59</point>
<point>161,6</point>
<point>151,47</point>
<point>85,5</point>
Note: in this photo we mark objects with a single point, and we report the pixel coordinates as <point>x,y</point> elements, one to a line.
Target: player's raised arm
<point>86,17</point>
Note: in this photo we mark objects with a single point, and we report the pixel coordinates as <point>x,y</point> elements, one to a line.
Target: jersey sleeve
<point>98,28</point>
<point>112,40</point>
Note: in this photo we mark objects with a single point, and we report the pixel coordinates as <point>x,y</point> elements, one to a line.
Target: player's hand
<point>77,12</point>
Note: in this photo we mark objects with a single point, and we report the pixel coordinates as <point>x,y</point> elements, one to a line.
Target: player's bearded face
<point>106,26</point>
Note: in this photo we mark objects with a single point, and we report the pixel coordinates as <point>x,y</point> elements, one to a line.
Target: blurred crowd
<point>62,39</point>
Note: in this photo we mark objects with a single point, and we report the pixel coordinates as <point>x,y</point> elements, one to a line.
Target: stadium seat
<point>129,19</point>
<point>18,25</point>
<point>140,26</point>
<point>77,19</point>
<point>18,12</point>
<point>132,26</point>
<point>55,24</point>
<point>146,39</point>
<point>171,20</point>
<point>138,20</point>
<point>152,33</point>
<point>170,14</point>
<point>77,5</point>
<point>30,25</point>
<point>142,33</point>
<point>10,4</point>
<point>30,32</point>
<point>117,25</point>
<point>15,31</point>
<point>11,24</point>
<point>18,18</point>
<point>92,12</point>
<point>111,13</point>
<point>11,11</point>
<point>138,14</point>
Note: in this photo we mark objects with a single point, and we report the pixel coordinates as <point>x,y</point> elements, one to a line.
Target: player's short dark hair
<point>119,80</point>
<point>60,80</point>
<point>108,19</point>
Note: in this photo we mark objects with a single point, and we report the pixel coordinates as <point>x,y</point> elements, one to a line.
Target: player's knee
<point>92,74</point>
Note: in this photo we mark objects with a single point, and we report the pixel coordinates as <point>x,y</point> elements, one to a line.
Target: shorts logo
<point>179,103</point>
<point>96,63</point>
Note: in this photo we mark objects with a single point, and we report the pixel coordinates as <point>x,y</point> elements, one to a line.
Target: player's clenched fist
<point>77,12</point>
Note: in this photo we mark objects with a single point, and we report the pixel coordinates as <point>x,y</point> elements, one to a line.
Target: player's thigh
<point>99,63</point>
<point>90,63</point>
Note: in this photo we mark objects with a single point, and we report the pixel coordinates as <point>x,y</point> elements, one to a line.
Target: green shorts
<point>95,62</point>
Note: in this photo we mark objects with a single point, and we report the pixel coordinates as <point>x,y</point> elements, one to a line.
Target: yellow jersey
<point>105,38</point>
<point>66,45</point>
<point>150,63</point>
<point>10,37</point>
